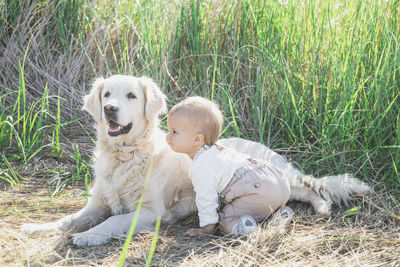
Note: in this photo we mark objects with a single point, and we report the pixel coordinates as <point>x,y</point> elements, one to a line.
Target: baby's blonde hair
<point>204,114</point>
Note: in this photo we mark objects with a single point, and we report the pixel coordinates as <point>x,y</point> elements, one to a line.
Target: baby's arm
<point>208,229</point>
<point>203,179</point>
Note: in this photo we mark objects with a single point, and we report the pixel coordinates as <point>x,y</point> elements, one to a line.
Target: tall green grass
<point>27,129</point>
<point>319,79</point>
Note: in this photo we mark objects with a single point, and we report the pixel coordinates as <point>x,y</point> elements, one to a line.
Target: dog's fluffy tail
<point>322,192</point>
<point>337,188</point>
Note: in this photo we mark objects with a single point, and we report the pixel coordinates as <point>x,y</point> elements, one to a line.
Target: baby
<point>232,189</point>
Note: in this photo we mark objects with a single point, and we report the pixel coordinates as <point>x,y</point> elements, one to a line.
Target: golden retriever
<point>129,145</point>
<point>132,156</point>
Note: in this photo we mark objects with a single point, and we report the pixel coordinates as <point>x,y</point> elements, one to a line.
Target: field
<point>317,81</point>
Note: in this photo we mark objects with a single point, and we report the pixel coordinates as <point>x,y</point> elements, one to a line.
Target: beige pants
<point>257,190</point>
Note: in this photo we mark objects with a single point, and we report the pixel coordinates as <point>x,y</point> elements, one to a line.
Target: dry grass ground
<point>369,236</point>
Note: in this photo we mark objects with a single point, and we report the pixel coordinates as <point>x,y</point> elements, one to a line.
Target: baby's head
<point>202,115</point>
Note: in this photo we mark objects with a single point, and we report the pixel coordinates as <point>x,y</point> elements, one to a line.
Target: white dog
<point>132,157</point>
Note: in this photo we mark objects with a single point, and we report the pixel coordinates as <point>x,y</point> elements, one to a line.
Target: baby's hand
<point>194,232</point>
<point>208,229</point>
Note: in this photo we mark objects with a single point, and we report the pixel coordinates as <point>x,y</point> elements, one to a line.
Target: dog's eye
<point>107,94</point>
<point>130,96</point>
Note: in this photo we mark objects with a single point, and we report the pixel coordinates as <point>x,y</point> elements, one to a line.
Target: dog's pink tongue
<point>114,127</point>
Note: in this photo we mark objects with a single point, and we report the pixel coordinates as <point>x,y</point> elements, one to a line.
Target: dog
<point>132,160</point>
<point>131,156</point>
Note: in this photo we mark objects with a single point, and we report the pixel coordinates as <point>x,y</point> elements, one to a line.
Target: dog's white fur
<point>141,161</point>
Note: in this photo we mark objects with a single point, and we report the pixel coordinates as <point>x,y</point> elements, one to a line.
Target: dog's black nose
<point>110,109</point>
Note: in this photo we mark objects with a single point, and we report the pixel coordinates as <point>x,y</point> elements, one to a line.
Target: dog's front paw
<point>88,239</point>
<point>38,229</point>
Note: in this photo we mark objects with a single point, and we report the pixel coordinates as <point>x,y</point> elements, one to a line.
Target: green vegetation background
<point>316,80</point>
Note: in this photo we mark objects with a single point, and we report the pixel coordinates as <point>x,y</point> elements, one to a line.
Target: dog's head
<point>123,105</point>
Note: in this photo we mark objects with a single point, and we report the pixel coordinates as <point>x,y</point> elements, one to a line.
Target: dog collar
<point>125,153</point>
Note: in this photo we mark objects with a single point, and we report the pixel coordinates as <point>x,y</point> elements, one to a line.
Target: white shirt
<point>211,171</point>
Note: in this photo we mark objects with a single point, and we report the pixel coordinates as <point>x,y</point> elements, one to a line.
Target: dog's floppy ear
<point>92,102</point>
<point>155,99</point>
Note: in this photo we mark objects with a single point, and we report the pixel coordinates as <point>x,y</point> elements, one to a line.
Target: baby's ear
<point>92,101</point>
<point>199,139</point>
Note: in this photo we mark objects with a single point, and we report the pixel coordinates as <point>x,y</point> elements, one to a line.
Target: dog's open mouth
<point>115,129</point>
